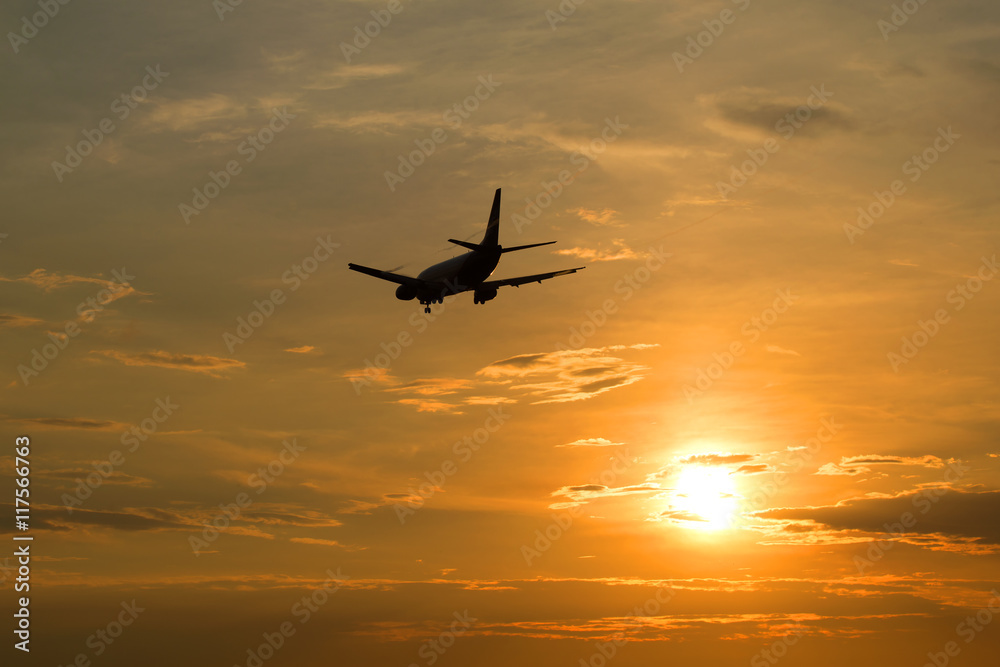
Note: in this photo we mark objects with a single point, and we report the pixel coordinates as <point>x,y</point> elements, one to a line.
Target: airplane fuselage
<point>458,274</point>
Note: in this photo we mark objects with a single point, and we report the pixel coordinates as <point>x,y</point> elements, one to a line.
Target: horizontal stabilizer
<point>525,247</point>
<point>464,244</point>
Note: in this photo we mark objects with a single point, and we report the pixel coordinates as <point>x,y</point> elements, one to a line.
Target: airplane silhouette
<point>464,273</point>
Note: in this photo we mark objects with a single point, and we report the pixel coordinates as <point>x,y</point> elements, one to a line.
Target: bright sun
<point>707,493</point>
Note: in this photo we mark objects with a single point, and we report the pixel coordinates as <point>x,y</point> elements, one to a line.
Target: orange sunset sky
<point>761,427</point>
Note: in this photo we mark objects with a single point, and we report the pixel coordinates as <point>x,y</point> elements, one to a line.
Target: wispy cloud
<point>857,465</point>
<point>425,393</point>
<point>119,478</point>
<point>196,363</point>
<point>51,281</point>
<point>737,463</point>
<point>618,250</point>
<point>781,350</point>
<point>193,113</point>
<point>321,74</point>
<point>432,386</point>
<point>715,459</point>
<point>41,278</point>
<point>681,516</point>
<point>380,122</point>
<point>48,282</point>
<point>592,442</point>
<point>11,320</point>
<point>339,77</point>
<point>567,375</point>
<point>427,405</point>
<point>489,400</point>
<point>753,469</point>
<point>604,217</point>
<point>317,542</point>
<point>356,506</point>
<point>584,493</point>
<point>548,377</point>
<point>69,423</point>
<point>370,374</point>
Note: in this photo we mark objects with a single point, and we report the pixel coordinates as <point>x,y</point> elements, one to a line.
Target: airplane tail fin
<point>492,237</point>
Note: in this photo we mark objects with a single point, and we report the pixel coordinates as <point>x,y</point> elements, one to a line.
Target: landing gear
<point>427,304</point>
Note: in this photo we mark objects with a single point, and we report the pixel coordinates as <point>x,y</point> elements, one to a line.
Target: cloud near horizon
<point>195,363</point>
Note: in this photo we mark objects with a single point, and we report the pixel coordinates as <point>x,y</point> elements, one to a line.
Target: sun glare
<point>707,493</point>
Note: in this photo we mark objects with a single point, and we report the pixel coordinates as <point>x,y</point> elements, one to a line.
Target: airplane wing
<point>523,280</point>
<point>387,275</point>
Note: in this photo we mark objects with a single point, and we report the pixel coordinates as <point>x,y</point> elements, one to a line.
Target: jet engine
<point>405,292</point>
<point>484,295</point>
